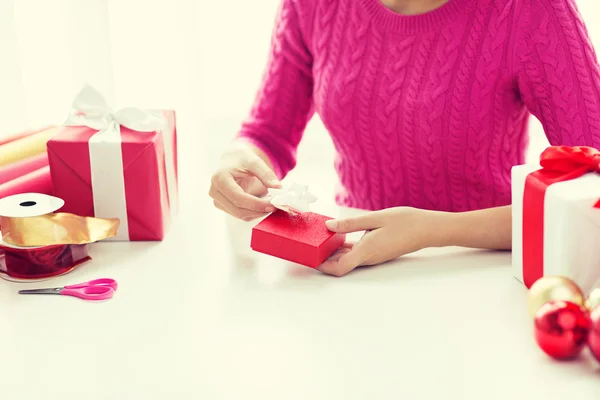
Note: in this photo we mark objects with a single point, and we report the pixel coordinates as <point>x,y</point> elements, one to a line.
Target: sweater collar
<point>394,21</point>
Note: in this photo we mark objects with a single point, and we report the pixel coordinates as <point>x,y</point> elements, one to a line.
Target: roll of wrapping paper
<point>24,167</point>
<point>16,136</point>
<point>36,263</point>
<point>38,181</point>
<point>25,147</point>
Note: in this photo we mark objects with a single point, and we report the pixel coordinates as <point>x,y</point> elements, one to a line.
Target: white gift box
<point>571,229</point>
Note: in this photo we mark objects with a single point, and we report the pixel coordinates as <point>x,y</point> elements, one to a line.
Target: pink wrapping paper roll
<point>38,181</point>
<point>20,135</point>
<point>18,169</point>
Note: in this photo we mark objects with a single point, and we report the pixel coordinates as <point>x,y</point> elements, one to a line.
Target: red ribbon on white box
<point>91,109</point>
<point>559,164</point>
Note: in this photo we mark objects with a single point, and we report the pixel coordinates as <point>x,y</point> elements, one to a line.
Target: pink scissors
<point>94,290</point>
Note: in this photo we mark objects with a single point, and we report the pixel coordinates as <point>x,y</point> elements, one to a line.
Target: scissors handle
<point>106,282</point>
<point>93,293</point>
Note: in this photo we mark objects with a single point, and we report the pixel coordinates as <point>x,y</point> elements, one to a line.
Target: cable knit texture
<point>428,111</point>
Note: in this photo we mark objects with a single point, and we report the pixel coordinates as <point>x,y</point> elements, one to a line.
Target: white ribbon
<point>90,109</point>
<point>292,198</point>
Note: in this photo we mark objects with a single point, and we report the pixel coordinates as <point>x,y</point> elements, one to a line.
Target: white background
<point>202,58</point>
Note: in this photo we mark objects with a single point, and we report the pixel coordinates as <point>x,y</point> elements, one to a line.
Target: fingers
<point>256,188</point>
<point>365,222</point>
<point>222,203</point>
<point>342,261</point>
<point>261,170</point>
<point>337,255</point>
<point>340,264</point>
<point>346,247</point>
<point>350,260</point>
<point>225,187</point>
<point>242,166</point>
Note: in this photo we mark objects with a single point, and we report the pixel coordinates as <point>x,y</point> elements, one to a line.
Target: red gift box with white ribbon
<point>122,164</point>
<point>556,217</point>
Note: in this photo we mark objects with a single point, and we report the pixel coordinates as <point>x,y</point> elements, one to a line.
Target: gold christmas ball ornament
<point>593,300</point>
<point>551,288</point>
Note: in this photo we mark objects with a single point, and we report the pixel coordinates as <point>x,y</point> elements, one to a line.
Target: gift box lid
<point>306,227</point>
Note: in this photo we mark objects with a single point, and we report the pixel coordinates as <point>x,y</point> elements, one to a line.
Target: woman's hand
<point>390,233</point>
<point>241,180</point>
<point>398,231</point>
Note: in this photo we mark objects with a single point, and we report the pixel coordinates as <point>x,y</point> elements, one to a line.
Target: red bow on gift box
<point>570,162</point>
<point>559,164</point>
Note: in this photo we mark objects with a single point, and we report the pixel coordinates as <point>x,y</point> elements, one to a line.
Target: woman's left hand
<point>390,233</point>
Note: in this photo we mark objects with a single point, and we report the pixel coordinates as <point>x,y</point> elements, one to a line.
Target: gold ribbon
<point>56,228</point>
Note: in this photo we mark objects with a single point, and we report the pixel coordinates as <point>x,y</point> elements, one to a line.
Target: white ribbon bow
<point>91,109</point>
<point>292,198</point>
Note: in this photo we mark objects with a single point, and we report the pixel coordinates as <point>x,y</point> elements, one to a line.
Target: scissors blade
<point>41,291</point>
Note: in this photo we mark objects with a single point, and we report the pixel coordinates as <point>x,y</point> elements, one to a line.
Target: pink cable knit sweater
<point>428,111</point>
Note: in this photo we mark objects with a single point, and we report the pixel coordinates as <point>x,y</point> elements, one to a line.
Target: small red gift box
<point>302,238</point>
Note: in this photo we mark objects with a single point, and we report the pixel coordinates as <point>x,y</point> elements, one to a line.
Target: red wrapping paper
<point>146,194</point>
<point>303,239</point>
<point>37,181</point>
<point>18,169</point>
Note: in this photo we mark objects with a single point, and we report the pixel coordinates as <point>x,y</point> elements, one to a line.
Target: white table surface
<point>193,321</point>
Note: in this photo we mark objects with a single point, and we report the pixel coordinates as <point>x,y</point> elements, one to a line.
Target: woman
<point>427,103</point>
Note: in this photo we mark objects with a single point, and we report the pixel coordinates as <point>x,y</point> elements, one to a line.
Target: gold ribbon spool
<point>28,220</point>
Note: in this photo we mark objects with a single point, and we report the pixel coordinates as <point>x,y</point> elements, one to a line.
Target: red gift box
<point>126,168</point>
<point>302,238</point>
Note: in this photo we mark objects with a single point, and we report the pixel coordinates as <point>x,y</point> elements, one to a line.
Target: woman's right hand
<point>241,181</point>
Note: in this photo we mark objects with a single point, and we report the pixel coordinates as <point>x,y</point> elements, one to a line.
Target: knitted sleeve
<point>558,72</point>
<point>283,104</point>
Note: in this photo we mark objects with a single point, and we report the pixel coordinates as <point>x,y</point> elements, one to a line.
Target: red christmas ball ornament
<point>594,335</point>
<point>561,329</point>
